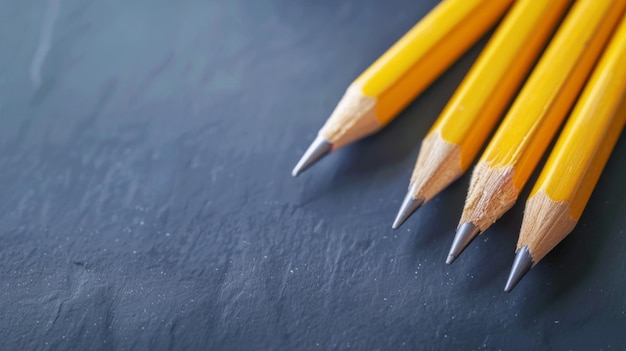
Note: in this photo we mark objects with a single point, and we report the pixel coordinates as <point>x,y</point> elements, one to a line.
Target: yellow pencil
<point>469,117</point>
<point>535,116</point>
<point>574,166</point>
<point>404,71</point>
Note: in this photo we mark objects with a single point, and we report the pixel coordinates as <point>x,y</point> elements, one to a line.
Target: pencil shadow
<point>430,232</point>
<point>488,259</point>
<point>436,221</point>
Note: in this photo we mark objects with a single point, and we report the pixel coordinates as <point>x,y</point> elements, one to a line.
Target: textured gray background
<point>146,200</point>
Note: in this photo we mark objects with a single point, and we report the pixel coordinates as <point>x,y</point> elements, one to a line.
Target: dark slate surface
<point>146,200</point>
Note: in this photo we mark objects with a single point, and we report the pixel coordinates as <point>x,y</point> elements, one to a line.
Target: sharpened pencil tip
<point>318,149</point>
<point>464,236</point>
<point>521,265</point>
<point>409,205</point>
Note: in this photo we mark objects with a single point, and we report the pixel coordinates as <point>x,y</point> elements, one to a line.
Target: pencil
<point>473,111</point>
<point>404,71</point>
<point>566,182</point>
<point>535,116</point>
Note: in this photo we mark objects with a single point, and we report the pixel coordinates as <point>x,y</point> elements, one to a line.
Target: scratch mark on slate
<point>45,41</point>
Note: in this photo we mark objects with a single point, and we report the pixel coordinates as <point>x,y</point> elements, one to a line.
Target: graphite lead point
<point>409,205</point>
<point>522,264</point>
<point>319,148</point>
<point>450,259</point>
<point>464,236</point>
